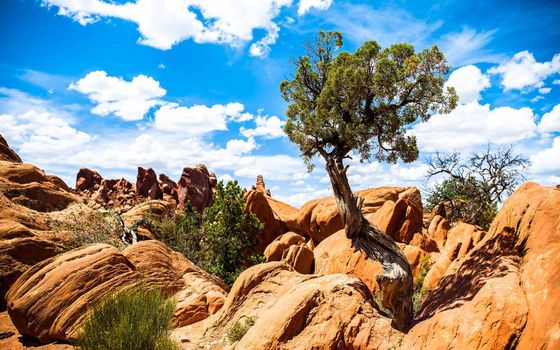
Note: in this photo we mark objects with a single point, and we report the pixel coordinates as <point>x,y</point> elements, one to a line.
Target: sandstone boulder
<point>276,248</point>
<point>400,213</point>
<point>277,217</point>
<point>295,311</point>
<point>50,301</point>
<point>300,257</point>
<point>459,242</point>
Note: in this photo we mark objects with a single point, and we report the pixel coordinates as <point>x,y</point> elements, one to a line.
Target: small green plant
<point>420,293</point>
<point>130,320</point>
<point>87,227</point>
<point>239,329</point>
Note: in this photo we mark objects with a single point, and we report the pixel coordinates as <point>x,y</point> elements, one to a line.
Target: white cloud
<point>197,119</point>
<point>473,124</point>
<point>163,24</point>
<point>225,178</point>
<point>239,147</point>
<point>268,127</point>
<point>544,91</point>
<point>550,121</point>
<point>468,46</point>
<point>548,160</point>
<point>556,82</point>
<point>524,72</point>
<point>41,133</point>
<point>129,100</point>
<point>468,81</point>
<point>305,6</point>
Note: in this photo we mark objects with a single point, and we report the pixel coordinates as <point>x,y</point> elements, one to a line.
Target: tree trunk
<point>396,281</point>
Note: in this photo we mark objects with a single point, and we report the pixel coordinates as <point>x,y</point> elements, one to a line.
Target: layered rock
<point>277,217</point>
<point>295,311</point>
<point>50,301</point>
<point>197,186</point>
<point>400,213</point>
<point>168,187</point>
<point>6,153</point>
<point>29,201</point>
<point>276,248</point>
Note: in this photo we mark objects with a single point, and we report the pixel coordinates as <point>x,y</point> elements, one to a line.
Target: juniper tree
<point>361,103</point>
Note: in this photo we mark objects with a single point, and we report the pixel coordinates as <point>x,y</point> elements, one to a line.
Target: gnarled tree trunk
<point>396,281</point>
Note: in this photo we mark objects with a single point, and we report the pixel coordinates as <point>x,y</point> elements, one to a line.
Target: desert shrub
<point>130,320</point>
<point>230,233</point>
<point>473,186</point>
<point>87,227</point>
<point>239,329</point>
<point>181,231</point>
<point>420,293</point>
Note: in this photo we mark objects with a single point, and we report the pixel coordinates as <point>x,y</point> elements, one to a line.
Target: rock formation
<point>147,184</point>
<point>400,213</point>
<point>197,186</point>
<point>6,153</point>
<point>50,300</point>
<point>88,179</point>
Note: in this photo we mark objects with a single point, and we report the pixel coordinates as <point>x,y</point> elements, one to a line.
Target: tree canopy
<point>363,101</point>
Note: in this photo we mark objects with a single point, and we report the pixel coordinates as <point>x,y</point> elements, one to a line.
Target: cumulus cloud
<point>547,161</point>
<point>239,147</point>
<point>197,119</point>
<point>305,6</point>
<point>163,24</point>
<point>473,124</point>
<point>522,71</point>
<point>550,121</point>
<point>267,127</point>
<point>129,100</point>
<point>468,81</point>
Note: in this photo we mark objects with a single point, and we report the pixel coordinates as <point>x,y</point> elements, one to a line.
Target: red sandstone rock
<point>147,184</point>
<point>197,187</point>
<point>87,179</point>
<point>276,248</point>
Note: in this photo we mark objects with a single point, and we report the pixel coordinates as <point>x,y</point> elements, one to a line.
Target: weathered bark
<point>396,281</point>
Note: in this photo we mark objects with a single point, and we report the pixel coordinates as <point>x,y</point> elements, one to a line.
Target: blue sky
<point>168,84</point>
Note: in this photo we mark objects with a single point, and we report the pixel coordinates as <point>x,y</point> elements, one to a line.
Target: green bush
<point>230,234</point>
<point>239,329</point>
<point>130,320</point>
<point>181,231</point>
<point>95,226</point>
<point>420,293</point>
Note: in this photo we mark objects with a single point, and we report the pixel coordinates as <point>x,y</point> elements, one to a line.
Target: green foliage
<point>230,234</point>
<point>473,187</point>
<point>419,294</point>
<point>88,227</point>
<point>180,231</point>
<point>239,329</point>
<point>130,320</point>
<point>363,101</point>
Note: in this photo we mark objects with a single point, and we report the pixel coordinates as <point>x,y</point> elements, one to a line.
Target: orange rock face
<point>277,217</point>
<point>400,213</point>
<point>6,153</point>
<point>300,257</point>
<point>459,242</point>
<point>50,300</point>
<point>480,306</point>
<point>276,248</point>
<point>533,213</point>
<point>295,311</point>
<point>197,186</point>
<point>337,255</point>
